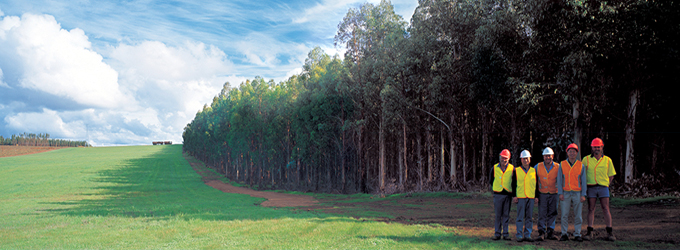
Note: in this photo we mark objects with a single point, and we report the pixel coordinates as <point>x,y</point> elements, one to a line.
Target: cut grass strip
<point>148,197</point>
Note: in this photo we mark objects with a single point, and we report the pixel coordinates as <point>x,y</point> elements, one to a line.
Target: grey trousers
<point>571,199</point>
<point>501,206</point>
<point>525,211</point>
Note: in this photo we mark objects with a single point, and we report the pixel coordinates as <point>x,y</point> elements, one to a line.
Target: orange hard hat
<point>597,142</point>
<point>573,145</point>
<point>505,153</point>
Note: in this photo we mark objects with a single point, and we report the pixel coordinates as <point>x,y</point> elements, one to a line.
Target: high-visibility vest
<point>571,182</point>
<point>598,171</point>
<point>526,182</point>
<point>547,182</point>
<point>502,180</point>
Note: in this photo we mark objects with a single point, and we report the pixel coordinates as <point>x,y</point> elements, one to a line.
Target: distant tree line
<point>428,106</point>
<point>40,140</point>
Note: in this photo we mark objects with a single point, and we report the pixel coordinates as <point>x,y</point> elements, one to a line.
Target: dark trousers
<point>501,206</point>
<point>547,211</point>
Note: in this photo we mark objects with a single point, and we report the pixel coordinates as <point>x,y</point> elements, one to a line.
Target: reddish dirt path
<point>273,199</point>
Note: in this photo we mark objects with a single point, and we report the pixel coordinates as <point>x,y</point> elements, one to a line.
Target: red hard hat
<point>573,145</point>
<point>597,142</point>
<point>505,153</point>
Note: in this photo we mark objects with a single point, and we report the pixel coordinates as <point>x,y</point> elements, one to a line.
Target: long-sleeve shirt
<point>581,176</point>
<point>514,181</point>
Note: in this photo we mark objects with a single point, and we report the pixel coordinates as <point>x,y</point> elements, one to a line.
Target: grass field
<point>148,197</point>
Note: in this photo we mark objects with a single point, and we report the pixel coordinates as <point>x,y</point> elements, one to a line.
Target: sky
<point>135,71</point>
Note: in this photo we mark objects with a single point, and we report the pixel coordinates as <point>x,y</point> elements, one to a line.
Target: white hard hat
<point>525,154</point>
<point>548,151</point>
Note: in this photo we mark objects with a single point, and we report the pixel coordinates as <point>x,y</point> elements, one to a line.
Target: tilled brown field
<point>6,151</point>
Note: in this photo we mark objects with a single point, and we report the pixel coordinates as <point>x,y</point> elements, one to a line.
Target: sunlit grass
<point>148,197</point>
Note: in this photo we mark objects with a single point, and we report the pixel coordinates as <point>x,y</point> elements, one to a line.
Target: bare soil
<point>7,151</point>
<point>650,225</point>
<point>273,199</point>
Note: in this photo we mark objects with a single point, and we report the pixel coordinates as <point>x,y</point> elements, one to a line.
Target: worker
<point>571,188</point>
<point>525,196</point>
<point>599,174</point>
<point>547,196</point>
<point>501,180</point>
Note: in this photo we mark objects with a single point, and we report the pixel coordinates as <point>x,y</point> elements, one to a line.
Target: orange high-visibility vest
<point>547,182</point>
<point>571,174</point>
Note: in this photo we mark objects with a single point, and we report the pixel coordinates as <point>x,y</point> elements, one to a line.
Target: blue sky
<point>131,72</point>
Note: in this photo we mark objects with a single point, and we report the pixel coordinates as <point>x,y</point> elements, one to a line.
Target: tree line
<point>40,140</point>
<point>428,105</point>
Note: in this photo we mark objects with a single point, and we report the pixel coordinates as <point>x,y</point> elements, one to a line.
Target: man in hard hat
<point>547,196</point>
<point>525,196</point>
<point>501,180</point>
<point>571,188</point>
<point>599,174</point>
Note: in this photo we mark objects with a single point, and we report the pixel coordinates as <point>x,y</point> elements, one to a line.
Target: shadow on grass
<point>161,185</point>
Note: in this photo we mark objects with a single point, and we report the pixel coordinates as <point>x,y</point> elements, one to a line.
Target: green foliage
<point>439,98</point>
<point>42,140</point>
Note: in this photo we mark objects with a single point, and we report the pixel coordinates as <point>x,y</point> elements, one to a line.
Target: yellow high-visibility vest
<point>502,180</point>
<point>526,183</point>
<point>598,172</point>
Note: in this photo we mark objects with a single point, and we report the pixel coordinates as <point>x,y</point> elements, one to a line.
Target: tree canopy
<point>430,104</point>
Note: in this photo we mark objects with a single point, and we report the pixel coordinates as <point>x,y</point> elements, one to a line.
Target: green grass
<point>148,197</point>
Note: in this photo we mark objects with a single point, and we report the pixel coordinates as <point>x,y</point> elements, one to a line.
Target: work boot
<point>610,235</point>
<point>540,236</point>
<point>578,238</point>
<point>520,239</point>
<point>506,238</point>
<point>564,237</point>
<point>528,239</point>
<point>589,234</point>
<point>496,237</point>
<point>551,235</point>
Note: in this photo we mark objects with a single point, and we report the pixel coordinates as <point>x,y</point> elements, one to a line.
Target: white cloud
<point>48,121</point>
<point>60,62</point>
<point>171,83</point>
<point>2,83</point>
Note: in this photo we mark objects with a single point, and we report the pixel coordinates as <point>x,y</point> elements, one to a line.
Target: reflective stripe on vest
<point>597,171</point>
<point>526,183</point>
<point>547,182</point>
<point>502,180</point>
<point>571,176</point>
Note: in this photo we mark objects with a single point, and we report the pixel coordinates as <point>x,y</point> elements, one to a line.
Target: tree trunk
<point>429,155</point>
<point>578,130</point>
<point>381,135</point>
<point>485,141</point>
<point>419,140</point>
<point>634,99</point>
<point>405,158</point>
<point>441,157</point>
<point>400,162</point>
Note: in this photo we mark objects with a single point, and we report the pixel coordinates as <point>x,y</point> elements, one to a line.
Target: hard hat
<point>597,142</point>
<point>573,145</point>
<point>548,151</point>
<point>505,153</point>
<point>525,154</point>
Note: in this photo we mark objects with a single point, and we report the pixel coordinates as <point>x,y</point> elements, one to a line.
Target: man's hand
<point>561,197</point>
<point>515,200</point>
<point>583,199</point>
